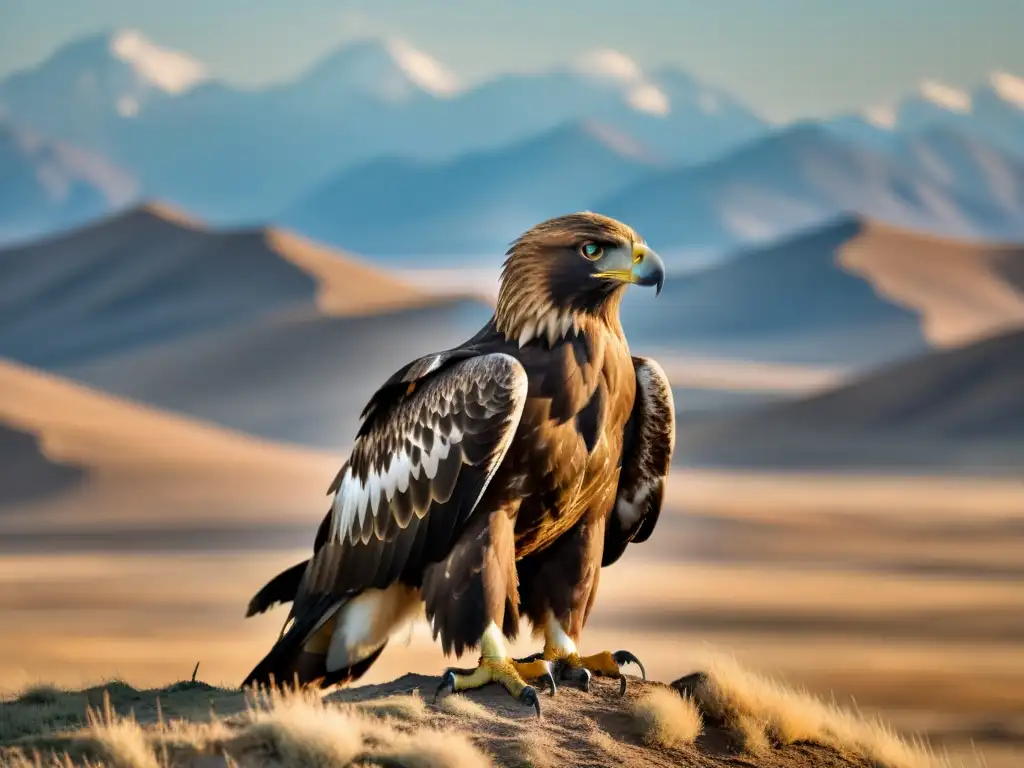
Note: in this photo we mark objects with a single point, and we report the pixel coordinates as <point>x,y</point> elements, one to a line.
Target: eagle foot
<point>504,672</point>
<point>580,669</point>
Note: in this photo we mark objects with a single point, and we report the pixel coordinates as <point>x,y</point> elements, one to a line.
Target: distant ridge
<point>153,274</point>
<point>472,206</point>
<point>957,408</point>
<point>852,291</point>
<point>243,154</point>
<point>804,175</point>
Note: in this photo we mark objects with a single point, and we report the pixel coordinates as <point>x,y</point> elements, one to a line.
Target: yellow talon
<point>600,664</point>
<point>501,671</point>
<point>604,664</point>
<point>536,669</point>
<point>496,667</point>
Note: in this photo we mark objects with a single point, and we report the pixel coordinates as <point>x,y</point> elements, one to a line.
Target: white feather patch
<point>365,623</point>
<point>354,500</point>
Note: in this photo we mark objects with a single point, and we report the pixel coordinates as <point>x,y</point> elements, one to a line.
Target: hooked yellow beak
<point>644,267</point>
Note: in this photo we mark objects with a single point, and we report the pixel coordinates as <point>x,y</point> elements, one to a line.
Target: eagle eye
<point>591,251</point>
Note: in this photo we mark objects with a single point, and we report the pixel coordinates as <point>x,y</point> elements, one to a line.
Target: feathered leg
<point>558,586</point>
<point>480,572</point>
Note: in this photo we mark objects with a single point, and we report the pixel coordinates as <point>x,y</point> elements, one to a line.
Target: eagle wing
<point>432,438</point>
<point>648,443</point>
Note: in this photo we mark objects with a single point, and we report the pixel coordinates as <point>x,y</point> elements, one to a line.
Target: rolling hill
<point>81,469</point>
<point>26,473</point>
<point>149,275</point>
<point>323,372</point>
<point>154,307</point>
<point>960,408</point>
<point>473,205</point>
<point>47,186</point>
<point>854,293</point>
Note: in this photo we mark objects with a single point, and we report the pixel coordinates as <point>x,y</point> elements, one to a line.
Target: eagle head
<point>569,267</point>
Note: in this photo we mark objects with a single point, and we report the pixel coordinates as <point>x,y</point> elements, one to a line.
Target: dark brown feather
<point>646,458</point>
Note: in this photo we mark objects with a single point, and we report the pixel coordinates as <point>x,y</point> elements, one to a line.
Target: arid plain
<point>153,481</point>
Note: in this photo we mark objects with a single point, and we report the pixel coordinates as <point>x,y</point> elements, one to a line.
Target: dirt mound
<point>725,717</point>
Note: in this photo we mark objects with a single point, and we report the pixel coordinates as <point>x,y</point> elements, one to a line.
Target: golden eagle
<point>494,479</point>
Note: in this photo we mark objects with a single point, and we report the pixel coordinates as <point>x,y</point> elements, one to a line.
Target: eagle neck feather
<point>525,311</point>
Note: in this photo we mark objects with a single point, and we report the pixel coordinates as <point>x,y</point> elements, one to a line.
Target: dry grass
<point>462,706</point>
<point>390,725</point>
<point>297,729</point>
<point>120,740</point>
<point>761,712</point>
<point>666,719</point>
<point>410,708</point>
<point>535,749</point>
<point>430,749</point>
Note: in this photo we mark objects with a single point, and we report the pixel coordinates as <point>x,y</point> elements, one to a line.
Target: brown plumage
<point>495,477</point>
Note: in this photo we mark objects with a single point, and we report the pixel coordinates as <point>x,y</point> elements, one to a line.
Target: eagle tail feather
<point>293,662</point>
<point>280,589</point>
<point>288,661</point>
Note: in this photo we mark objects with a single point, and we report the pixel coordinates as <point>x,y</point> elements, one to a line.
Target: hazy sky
<point>786,58</point>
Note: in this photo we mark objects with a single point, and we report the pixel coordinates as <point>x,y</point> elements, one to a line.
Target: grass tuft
<point>667,719</point>
<point>762,712</point>
<point>298,730</point>
<point>121,740</point>
<point>430,749</point>
<point>462,706</point>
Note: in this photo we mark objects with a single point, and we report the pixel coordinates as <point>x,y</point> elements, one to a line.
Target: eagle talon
<point>529,697</point>
<point>447,684</point>
<point>546,681</point>
<point>625,657</point>
<point>622,684</point>
<point>538,669</point>
<point>580,675</point>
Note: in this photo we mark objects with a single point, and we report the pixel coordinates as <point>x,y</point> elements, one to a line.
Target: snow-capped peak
<point>881,116</point>
<point>620,70</point>
<point>170,71</point>
<point>424,70</point>
<point>1009,88</point>
<point>946,96</point>
<point>609,64</point>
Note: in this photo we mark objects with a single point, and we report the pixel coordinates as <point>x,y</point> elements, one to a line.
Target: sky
<point>785,58</point>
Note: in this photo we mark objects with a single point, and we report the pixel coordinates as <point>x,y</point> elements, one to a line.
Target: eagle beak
<point>648,268</point>
<point>644,267</point>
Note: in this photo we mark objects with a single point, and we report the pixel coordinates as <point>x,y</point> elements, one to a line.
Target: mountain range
<point>234,155</point>
<point>378,148</point>
<point>802,176</point>
<point>992,112</point>
<point>475,204</point>
<point>938,181</point>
